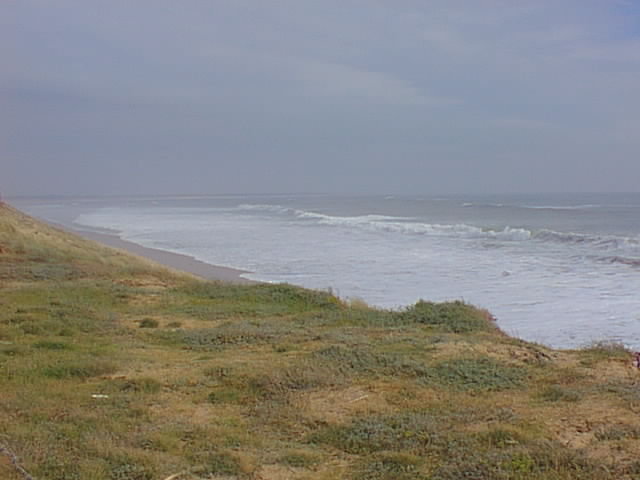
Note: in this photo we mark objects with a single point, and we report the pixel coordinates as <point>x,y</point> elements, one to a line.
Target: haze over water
<point>563,270</point>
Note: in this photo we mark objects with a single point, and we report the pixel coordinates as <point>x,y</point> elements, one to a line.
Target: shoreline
<point>176,261</point>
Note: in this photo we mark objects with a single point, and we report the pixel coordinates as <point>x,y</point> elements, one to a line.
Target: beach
<point>184,263</point>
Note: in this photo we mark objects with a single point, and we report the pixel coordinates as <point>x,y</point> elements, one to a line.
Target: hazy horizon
<point>427,195</point>
<point>240,97</point>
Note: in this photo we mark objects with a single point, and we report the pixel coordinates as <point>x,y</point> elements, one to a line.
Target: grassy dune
<point>112,367</point>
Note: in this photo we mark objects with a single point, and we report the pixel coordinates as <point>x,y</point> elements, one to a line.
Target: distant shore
<point>177,261</point>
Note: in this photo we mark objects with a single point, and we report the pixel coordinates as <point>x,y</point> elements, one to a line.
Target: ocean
<point>561,270</point>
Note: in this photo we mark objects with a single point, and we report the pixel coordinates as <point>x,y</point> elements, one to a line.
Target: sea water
<point>562,270</point>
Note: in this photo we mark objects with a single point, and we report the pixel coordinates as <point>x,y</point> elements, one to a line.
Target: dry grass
<point>278,382</point>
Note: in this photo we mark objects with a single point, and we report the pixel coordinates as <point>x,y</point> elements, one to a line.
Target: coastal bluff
<point>115,367</point>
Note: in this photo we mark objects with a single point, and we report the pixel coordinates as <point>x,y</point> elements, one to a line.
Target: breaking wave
<point>410,226</point>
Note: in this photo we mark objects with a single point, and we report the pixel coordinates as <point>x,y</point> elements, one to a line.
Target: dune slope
<point>112,367</point>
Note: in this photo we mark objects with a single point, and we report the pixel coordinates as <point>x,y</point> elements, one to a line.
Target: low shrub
<point>604,350</point>
<point>12,350</point>
<point>499,438</point>
<point>51,345</point>
<point>619,432</point>
<point>529,462</point>
<point>141,385</point>
<point>149,323</point>
<point>455,317</point>
<point>299,459</point>
<point>224,396</point>
<point>32,328</point>
<point>378,433</point>
<point>390,466</point>
<point>232,333</point>
<point>356,360</point>
<point>126,468</point>
<point>302,376</point>
<point>226,463</point>
<point>264,296</point>
<point>79,370</point>
<point>477,374</point>
<point>556,393</point>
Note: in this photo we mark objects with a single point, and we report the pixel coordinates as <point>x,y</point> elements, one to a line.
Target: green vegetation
<point>149,323</point>
<point>112,367</point>
<point>456,317</point>
<point>556,393</point>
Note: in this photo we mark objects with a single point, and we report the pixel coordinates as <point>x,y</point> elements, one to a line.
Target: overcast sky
<point>248,96</point>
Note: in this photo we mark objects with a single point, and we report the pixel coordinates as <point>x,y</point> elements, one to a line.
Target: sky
<point>334,96</point>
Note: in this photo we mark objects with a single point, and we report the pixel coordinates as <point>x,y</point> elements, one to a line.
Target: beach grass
<point>113,367</point>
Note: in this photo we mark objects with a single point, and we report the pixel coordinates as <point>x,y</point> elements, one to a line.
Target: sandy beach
<point>176,261</point>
